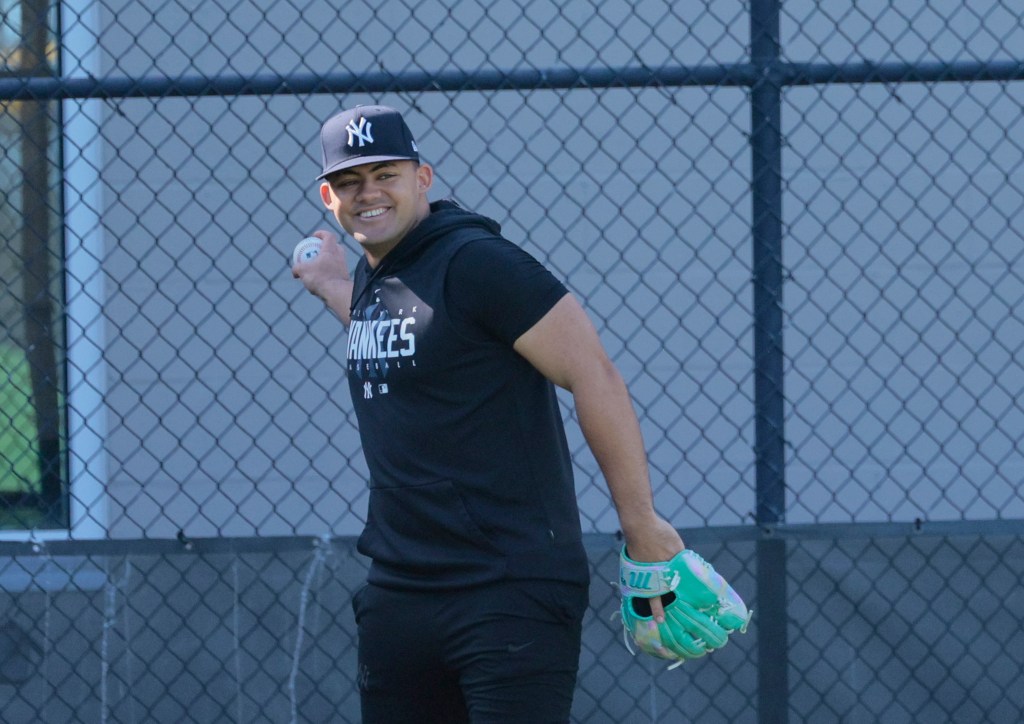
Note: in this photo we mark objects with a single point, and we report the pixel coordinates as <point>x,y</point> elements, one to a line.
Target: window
<point>33,426</point>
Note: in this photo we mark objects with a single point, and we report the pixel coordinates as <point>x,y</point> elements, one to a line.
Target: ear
<point>424,177</point>
<point>325,194</point>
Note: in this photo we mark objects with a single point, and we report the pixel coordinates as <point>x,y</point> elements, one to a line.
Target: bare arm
<point>565,348</point>
<point>327,276</point>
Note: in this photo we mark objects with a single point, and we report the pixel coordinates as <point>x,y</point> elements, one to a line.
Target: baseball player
<point>457,339</point>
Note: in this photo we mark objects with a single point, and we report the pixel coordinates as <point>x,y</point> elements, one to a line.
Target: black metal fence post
<point>766,192</point>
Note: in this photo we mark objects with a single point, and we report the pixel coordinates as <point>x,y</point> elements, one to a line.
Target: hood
<point>445,217</point>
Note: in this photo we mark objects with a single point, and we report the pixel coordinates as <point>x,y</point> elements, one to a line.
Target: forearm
<point>610,426</point>
<point>338,298</point>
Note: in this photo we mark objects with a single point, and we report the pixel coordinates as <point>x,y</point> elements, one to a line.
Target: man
<point>478,578</point>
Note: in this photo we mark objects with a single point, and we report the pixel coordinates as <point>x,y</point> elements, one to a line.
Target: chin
<point>371,243</point>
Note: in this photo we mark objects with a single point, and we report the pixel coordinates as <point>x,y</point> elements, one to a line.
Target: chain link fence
<point>799,229</point>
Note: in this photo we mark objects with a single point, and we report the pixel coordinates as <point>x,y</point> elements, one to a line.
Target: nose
<point>367,190</point>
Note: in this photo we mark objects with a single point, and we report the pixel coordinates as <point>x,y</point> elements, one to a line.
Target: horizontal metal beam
<point>594,542</point>
<point>854,531</point>
<point>20,88</point>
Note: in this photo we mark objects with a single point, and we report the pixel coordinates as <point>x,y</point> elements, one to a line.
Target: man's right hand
<point>326,276</point>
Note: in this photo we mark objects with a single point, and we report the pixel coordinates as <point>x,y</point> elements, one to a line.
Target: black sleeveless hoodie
<point>470,474</point>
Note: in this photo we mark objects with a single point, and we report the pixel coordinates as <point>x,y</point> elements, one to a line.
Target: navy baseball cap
<point>365,134</point>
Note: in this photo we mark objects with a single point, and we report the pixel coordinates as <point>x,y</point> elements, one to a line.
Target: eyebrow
<point>376,167</point>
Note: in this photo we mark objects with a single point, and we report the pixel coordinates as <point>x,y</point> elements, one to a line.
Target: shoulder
<point>498,285</point>
<point>484,252</point>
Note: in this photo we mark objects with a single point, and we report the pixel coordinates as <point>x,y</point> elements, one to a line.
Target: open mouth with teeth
<point>371,213</point>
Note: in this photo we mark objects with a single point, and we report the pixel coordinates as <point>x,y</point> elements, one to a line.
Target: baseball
<point>306,250</point>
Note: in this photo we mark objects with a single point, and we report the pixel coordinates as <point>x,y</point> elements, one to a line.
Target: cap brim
<point>362,161</point>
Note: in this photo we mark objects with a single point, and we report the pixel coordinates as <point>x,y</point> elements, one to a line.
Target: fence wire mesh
<point>798,228</point>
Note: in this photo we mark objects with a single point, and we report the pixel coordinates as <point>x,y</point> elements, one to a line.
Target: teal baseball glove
<point>701,609</point>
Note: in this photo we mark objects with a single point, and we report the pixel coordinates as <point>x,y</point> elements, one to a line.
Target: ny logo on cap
<point>364,132</point>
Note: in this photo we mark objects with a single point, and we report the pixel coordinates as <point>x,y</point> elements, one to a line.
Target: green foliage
<point>19,453</point>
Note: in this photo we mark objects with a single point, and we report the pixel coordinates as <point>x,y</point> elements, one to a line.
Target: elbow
<point>601,376</point>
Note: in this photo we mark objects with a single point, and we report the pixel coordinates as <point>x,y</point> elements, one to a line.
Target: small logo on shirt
<point>516,648</point>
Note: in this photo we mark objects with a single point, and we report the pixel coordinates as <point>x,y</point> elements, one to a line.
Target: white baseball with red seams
<point>306,250</point>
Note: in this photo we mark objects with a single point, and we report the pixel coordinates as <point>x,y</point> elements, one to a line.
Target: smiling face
<point>379,203</point>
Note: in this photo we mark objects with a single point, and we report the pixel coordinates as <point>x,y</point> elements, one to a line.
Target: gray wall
<point>225,404</point>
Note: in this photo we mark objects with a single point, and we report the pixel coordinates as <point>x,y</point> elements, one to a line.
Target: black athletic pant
<point>506,652</point>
